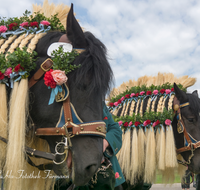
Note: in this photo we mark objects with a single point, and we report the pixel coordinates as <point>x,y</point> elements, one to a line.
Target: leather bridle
<point>68,130</point>
<point>191,144</point>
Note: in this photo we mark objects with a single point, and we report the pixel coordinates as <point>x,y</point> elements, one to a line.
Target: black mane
<point>95,71</point>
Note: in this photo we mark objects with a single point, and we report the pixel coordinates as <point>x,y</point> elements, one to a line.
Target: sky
<point>143,37</point>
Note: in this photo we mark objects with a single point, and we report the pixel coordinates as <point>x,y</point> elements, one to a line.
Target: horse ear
<point>195,93</point>
<point>181,95</point>
<point>74,31</point>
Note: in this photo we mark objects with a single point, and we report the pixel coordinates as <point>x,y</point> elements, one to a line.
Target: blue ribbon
<point>53,94</point>
<point>14,74</point>
<point>42,29</point>
<point>4,81</point>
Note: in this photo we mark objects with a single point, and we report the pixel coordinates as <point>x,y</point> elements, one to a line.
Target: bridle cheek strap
<point>44,67</point>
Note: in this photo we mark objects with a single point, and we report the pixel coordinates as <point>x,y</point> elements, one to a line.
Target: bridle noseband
<point>192,144</point>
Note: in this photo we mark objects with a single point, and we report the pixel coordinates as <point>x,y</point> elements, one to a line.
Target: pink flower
<point>116,103</point>
<point>8,72</point>
<point>44,22</point>
<point>24,24</point>
<point>122,98</point>
<point>155,92</point>
<point>156,123</point>
<point>147,122</point>
<point>3,29</point>
<point>167,91</point>
<point>59,76</point>
<point>116,175</point>
<point>167,122</point>
<point>120,122</point>
<point>142,93</point>
<point>130,123</point>
<point>132,94</point>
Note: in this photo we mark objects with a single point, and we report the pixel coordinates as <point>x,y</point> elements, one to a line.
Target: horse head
<point>186,127</point>
<point>87,87</point>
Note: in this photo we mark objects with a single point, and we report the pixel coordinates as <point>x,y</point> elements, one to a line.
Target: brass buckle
<point>41,66</point>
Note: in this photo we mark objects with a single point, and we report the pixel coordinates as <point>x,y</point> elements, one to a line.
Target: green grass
<point>159,178</point>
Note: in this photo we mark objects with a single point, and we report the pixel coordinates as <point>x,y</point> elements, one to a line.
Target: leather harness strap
<point>44,67</point>
<point>94,128</point>
<point>38,154</point>
<point>67,110</point>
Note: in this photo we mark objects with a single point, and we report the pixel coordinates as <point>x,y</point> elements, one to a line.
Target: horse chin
<point>195,164</point>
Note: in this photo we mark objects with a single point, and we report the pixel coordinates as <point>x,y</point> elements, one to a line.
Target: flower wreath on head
<point>18,64</point>
<point>62,56</point>
<point>29,24</point>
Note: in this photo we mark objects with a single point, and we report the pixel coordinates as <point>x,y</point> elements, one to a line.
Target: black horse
<point>87,86</point>
<point>190,114</point>
<point>186,129</point>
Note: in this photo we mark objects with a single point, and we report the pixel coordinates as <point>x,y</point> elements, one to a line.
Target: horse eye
<point>190,119</point>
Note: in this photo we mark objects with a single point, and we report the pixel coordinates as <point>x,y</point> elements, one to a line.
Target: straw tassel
<point>125,155</point>
<point>134,156</point>
<point>15,159</point>
<point>161,160</point>
<point>150,163</point>
<point>3,122</point>
<point>141,152</point>
<point>170,156</point>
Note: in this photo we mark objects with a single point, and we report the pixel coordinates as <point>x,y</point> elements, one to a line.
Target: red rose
<point>137,94</point>
<point>126,124</point>
<point>1,76</point>
<point>111,104</point>
<point>48,79</point>
<point>172,90</point>
<point>17,68</point>
<point>127,96</point>
<point>148,121</point>
<point>137,123</point>
<point>34,24</point>
<point>10,26</point>
<point>157,122</point>
<point>119,101</point>
<point>162,91</point>
<point>149,92</point>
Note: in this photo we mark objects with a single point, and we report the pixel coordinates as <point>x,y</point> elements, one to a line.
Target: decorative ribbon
<point>14,74</point>
<point>53,94</point>
<point>4,81</point>
<point>31,30</point>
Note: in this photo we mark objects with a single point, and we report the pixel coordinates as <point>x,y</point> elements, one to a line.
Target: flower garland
<point>29,24</point>
<point>142,92</point>
<point>155,119</point>
<point>17,65</point>
<point>56,77</point>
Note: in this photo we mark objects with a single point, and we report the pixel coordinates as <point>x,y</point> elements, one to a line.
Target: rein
<point>192,146</point>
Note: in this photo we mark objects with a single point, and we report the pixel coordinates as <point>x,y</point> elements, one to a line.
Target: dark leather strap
<point>67,110</point>
<point>94,128</point>
<point>44,67</point>
<point>33,152</point>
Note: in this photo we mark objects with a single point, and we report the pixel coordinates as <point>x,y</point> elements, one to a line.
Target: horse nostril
<point>91,168</point>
